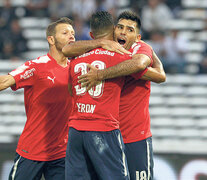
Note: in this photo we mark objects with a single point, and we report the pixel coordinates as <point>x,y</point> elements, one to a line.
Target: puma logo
<point>52,79</point>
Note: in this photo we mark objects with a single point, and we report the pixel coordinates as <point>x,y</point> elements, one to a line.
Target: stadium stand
<point>178,114</point>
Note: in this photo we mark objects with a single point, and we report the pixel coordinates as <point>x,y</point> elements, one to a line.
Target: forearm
<point>80,47</point>
<point>154,75</point>
<point>122,69</point>
<point>158,70</point>
<point>6,81</point>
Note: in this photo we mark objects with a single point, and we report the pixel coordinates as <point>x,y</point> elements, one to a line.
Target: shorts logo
<point>52,79</point>
<point>142,132</point>
<point>25,151</point>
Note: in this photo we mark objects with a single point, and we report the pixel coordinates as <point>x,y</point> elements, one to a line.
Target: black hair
<point>130,15</point>
<point>101,22</point>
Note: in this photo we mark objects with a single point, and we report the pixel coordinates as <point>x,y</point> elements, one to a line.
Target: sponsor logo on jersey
<point>97,51</point>
<point>52,79</point>
<point>27,74</point>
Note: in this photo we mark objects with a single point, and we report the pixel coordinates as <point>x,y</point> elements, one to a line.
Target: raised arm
<point>80,47</point>
<point>6,81</point>
<point>155,73</point>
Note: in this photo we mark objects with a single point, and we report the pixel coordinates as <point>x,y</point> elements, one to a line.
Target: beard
<point>58,45</point>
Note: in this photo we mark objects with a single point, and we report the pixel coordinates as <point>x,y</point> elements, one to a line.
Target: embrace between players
<point>104,97</point>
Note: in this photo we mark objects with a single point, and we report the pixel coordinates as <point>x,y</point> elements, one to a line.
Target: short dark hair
<point>101,22</point>
<point>51,27</point>
<point>131,16</point>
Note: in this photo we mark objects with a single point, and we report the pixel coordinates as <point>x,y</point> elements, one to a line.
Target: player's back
<point>97,109</point>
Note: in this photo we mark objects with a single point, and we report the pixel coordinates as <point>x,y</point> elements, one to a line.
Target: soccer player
<point>42,145</point>
<point>95,142</point>
<point>134,104</point>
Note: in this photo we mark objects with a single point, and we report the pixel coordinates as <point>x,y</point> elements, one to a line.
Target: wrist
<point>100,76</point>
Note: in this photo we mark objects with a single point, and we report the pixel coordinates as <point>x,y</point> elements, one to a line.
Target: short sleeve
<point>139,74</point>
<point>143,48</point>
<point>24,75</point>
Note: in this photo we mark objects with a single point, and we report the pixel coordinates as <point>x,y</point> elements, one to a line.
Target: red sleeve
<point>24,75</point>
<point>139,74</point>
<point>143,48</point>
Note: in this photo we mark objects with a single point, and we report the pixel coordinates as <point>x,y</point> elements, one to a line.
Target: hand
<point>113,46</point>
<point>90,79</point>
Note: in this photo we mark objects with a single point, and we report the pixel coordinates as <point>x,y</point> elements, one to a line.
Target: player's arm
<point>80,47</point>
<point>155,73</point>
<point>138,63</point>
<point>6,81</point>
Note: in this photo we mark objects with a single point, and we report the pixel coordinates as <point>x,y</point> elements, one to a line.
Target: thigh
<point>106,152</point>
<point>140,159</point>
<point>77,162</point>
<point>25,169</point>
<point>54,170</point>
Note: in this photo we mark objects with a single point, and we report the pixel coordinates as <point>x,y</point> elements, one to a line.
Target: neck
<point>105,36</point>
<point>59,57</point>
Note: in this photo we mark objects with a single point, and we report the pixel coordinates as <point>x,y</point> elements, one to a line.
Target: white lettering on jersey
<point>52,79</point>
<point>85,54</point>
<point>86,108</point>
<point>98,51</point>
<point>106,52</point>
<point>27,74</point>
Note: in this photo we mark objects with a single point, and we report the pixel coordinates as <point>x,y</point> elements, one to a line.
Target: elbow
<point>162,79</point>
<point>141,67</point>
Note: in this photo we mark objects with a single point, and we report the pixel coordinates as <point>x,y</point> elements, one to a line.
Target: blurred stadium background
<point>177,31</point>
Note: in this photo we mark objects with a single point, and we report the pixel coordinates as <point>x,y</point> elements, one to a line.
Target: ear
<point>138,37</point>
<point>91,34</point>
<point>51,40</point>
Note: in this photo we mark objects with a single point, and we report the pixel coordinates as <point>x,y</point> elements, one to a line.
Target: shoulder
<point>143,44</point>
<point>41,60</point>
<point>139,47</point>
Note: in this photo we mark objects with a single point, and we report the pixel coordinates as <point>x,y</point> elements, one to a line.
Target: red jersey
<point>47,105</point>
<point>134,103</point>
<point>97,109</point>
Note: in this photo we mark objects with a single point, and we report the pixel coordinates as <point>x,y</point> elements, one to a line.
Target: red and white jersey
<point>47,105</point>
<point>97,109</point>
<point>134,103</point>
